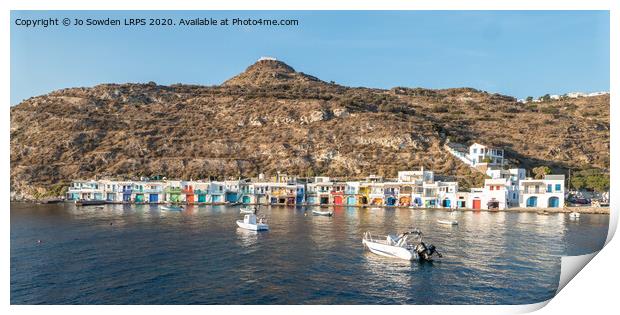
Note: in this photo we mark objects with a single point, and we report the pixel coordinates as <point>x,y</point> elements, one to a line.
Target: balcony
<point>152,190</point>
<point>173,190</point>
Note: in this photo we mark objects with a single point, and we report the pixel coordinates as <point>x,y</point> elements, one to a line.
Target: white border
<point>595,286</point>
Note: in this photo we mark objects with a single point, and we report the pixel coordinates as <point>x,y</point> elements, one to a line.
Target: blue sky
<point>518,53</point>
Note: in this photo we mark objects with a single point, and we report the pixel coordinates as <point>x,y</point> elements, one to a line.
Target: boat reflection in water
<point>247,237</point>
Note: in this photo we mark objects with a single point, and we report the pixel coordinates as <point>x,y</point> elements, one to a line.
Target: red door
<point>338,200</point>
<point>476,203</point>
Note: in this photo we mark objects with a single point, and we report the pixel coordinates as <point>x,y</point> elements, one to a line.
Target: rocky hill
<point>271,118</point>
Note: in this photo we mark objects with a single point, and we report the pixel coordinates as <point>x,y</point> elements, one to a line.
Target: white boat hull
<point>390,251</point>
<point>246,211</point>
<point>448,222</point>
<point>166,208</point>
<point>252,227</point>
<point>325,213</point>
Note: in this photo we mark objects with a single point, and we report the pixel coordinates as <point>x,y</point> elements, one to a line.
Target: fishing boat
<point>251,222</point>
<point>407,246</point>
<point>324,213</point>
<point>574,215</point>
<point>448,222</point>
<point>89,202</point>
<point>248,210</point>
<point>171,208</point>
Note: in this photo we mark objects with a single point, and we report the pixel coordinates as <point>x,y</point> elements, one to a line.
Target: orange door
<point>190,198</point>
<point>476,203</point>
<point>338,200</point>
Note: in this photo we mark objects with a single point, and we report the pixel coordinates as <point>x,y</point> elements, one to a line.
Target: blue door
<point>153,198</point>
<point>126,197</point>
<point>554,202</point>
<point>231,197</point>
<point>532,201</point>
<point>446,203</point>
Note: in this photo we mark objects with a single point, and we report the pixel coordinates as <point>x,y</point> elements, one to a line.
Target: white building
<point>512,177</point>
<point>477,154</point>
<point>481,154</point>
<point>85,190</point>
<point>542,193</point>
<point>446,194</point>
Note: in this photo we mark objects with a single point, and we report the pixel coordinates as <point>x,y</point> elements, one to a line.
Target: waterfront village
<point>504,188</point>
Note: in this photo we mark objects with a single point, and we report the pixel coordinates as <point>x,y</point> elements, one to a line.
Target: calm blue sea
<point>140,255</point>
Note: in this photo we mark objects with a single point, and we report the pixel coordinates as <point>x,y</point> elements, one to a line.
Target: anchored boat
<point>171,208</point>
<point>448,222</point>
<point>89,202</point>
<point>321,212</point>
<point>250,222</point>
<point>408,246</point>
<point>574,215</point>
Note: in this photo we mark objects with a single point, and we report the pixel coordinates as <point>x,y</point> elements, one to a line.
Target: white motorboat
<point>448,222</point>
<point>250,222</point>
<point>408,246</point>
<point>171,208</point>
<point>250,209</point>
<point>321,212</point>
<point>574,215</point>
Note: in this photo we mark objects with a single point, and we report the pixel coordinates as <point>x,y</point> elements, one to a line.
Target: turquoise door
<point>351,200</point>
<point>202,198</point>
<point>246,199</point>
<point>446,203</point>
<point>140,198</point>
<point>532,201</point>
<point>216,198</point>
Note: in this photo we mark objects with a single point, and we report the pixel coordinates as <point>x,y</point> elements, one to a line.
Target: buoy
<point>38,241</point>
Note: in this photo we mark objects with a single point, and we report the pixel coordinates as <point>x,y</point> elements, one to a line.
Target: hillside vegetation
<point>271,118</point>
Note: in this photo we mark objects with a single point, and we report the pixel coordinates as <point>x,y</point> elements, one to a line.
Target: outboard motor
<point>426,253</point>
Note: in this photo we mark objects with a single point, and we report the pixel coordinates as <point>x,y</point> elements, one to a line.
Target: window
<point>549,187</point>
<point>558,187</point>
<point>475,151</point>
<point>492,187</point>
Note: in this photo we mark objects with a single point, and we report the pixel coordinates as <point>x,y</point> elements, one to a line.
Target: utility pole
<point>569,179</point>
